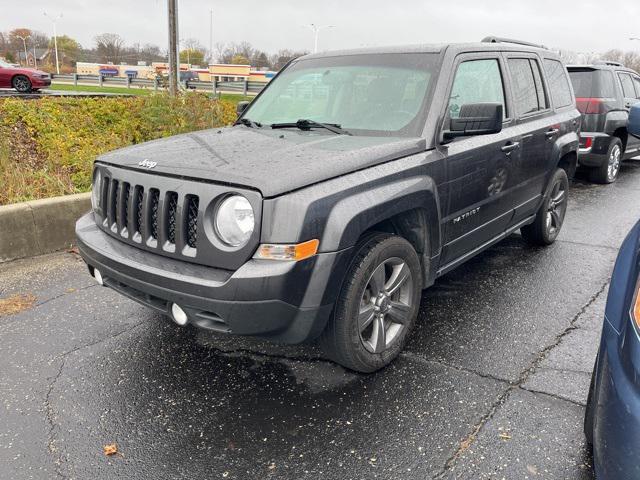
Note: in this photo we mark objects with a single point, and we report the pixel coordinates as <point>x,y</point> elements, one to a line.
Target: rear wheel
<point>608,171</point>
<point>377,306</point>
<point>21,83</point>
<point>589,411</point>
<point>545,228</point>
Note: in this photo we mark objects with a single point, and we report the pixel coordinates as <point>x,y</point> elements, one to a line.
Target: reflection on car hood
<point>271,161</point>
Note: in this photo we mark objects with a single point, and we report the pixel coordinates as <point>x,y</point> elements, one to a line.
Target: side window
<point>627,85</point>
<point>537,76</point>
<point>558,83</point>
<point>636,80</point>
<point>527,92</point>
<point>476,81</point>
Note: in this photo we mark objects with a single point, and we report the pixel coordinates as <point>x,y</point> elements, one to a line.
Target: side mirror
<point>475,119</point>
<point>633,127</point>
<point>241,107</point>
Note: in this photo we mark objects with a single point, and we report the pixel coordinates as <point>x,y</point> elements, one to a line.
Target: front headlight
<point>234,221</point>
<point>95,190</point>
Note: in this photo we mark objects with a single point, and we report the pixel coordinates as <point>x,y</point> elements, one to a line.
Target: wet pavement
<point>492,384</point>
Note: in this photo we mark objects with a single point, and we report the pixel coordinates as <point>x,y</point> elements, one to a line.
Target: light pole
<point>55,38</point>
<point>174,58</point>
<point>316,31</point>
<point>210,36</point>
<point>35,59</point>
<point>24,44</point>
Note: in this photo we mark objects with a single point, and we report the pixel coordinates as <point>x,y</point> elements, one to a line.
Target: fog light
<point>98,276</point>
<point>179,315</point>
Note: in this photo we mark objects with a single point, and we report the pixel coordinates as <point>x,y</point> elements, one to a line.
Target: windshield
<point>369,94</point>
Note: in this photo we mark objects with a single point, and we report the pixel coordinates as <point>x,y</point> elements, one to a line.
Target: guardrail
<point>245,87</point>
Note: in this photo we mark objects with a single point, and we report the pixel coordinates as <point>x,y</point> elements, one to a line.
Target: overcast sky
<point>274,24</point>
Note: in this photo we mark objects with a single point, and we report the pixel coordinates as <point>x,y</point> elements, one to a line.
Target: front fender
<point>339,210</point>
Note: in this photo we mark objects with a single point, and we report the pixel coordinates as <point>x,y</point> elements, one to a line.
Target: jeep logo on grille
<point>147,164</point>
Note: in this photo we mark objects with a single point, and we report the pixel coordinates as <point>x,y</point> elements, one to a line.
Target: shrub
<point>47,146</point>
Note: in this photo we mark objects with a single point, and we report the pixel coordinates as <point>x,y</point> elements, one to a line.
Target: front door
<point>479,168</point>
<point>630,99</point>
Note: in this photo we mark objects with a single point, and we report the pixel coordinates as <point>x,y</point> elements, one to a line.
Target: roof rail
<point>511,40</point>
<point>608,62</point>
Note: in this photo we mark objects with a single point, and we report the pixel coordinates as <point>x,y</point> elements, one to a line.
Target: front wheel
<point>21,83</point>
<point>546,226</point>
<point>377,306</point>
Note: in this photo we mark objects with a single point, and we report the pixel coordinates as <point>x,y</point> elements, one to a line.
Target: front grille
<point>169,222</point>
<point>192,220</point>
<point>172,210</point>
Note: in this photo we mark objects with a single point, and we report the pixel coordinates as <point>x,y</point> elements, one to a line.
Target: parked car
<point>605,91</point>
<point>185,78</point>
<point>23,80</point>
<point>612,419</point>
<point>351,183</point>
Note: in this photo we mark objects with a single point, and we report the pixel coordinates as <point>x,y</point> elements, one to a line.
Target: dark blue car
<point>612,419</point>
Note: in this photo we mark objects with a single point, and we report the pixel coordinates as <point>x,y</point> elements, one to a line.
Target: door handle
<point>551,133</point>
<point>510,147</point>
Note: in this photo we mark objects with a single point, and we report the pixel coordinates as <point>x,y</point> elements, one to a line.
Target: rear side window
<point>627,85</point>
<point>589,83</point>
<point>528,91</point>
<point>476,81</point>
<point>636,80</point>
<point>558,83</point>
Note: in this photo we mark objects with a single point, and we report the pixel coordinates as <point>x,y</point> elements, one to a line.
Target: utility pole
<point>174,58</point>
<point>210,36</point>
<point>24,44</point>
<point>316,31</point>
<point>55,38</point>
<point>35,59</point>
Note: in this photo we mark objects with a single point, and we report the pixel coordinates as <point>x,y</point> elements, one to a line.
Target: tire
<point>545,228</point>
<point>21,83</point>
<point>365,307</point>
<point>608,171</point>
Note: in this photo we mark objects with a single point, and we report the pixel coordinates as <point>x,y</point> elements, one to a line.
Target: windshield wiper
<point>250,123</point>
<point>306,124</point>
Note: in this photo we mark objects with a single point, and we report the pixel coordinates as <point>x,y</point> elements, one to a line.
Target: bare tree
<point>109,47</point>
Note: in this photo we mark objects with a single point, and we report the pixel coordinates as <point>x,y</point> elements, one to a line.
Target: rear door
<point>535,120</point>
<point>630,99</point>
<point>479,206</point>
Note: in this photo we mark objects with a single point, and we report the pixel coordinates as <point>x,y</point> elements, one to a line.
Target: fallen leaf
<point>505,436</point>
<point>74,250</point>
<point>272,466</point>
<point>533,470</point>
<point>110,449</point>
<point>16,304</point>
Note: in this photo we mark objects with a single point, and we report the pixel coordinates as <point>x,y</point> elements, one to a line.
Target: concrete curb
<point>41,226</point>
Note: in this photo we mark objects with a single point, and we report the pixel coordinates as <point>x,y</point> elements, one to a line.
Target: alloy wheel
<point>21,84</point>
<point>556,208</point>
<point>614,163</point>
<point>385,305</point>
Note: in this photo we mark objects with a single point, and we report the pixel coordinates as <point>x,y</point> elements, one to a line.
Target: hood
<point>271,161</point>
<point>28,71</point>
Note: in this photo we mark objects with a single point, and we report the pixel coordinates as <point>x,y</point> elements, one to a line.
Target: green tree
<point>193,56</point>
<point>68,48</point>
<point>239,59</point>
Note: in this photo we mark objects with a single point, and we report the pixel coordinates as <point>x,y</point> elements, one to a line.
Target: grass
<point>230,97</point>
<point>47,145</point>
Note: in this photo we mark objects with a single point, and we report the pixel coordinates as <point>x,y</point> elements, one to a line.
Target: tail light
<point>589,106</point>
<point>586,142</point>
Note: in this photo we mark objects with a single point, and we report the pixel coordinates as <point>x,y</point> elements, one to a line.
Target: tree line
<point>112,48</point>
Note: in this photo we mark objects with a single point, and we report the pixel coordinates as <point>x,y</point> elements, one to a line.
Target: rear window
<point>589,83</point>
<point>627,85</point>
<point>558,83</point>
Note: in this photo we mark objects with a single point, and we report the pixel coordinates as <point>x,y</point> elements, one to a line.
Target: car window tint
<point>525,95</point>
<point>537,76</point>
<point>476,81</point>
<point>627,85</point>
<point>558,83</point>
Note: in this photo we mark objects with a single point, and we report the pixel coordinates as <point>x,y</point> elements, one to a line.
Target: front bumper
<point>40,82</point>
<point>288,302</point>
<point>616,436</point>
<point>596,154</point>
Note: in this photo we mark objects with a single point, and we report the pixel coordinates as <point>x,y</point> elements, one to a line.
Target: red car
<point>22,79</point>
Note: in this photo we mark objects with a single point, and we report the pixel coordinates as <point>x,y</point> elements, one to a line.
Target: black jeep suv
<point>349,185</point>
<point>605,92</point>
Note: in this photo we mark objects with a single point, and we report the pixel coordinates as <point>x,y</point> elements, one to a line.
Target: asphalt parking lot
<point>492,384</point>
